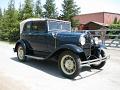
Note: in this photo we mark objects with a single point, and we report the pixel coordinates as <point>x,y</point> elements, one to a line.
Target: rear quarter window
<point>27,27</point>
<point>39,26</point>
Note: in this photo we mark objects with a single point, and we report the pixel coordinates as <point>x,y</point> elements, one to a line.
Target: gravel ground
<point>41,75</point>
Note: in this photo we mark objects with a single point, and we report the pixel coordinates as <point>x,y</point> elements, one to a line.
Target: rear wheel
<point>99,65</point>
<point>21,53</point>
<point>69,64</point>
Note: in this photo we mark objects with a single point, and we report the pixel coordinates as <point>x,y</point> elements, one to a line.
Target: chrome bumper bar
<point>89,62</point>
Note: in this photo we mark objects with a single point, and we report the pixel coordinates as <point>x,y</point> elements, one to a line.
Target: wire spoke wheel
<point>68,64</point>
<point>21,53</point>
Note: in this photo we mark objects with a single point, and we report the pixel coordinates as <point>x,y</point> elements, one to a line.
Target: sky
<point>87,6</point>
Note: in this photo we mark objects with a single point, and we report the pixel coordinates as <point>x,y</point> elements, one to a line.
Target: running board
<point>34,57</point>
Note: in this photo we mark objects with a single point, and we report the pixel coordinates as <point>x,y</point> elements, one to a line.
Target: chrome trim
<point>89,62</point>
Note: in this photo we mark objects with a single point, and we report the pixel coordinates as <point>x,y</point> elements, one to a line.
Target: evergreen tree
<point>38,9</point>
<point>50,9</point>
<point>0,12</point>
<point>70,9</point>
<point>0,21</point>
<point>28,9</point>
<point>10,23</point>
<point>0,17</point>
<point>20,12</point>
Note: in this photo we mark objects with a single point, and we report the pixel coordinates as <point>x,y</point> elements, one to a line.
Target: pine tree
<point>70,9</point>
<point>38,9</point>
<point>10,23</point>
<point>0,17</point>
<point>0,12</point>
<point>28,9</point>
<point>50,9</point>
<point>20,12</point>
<point>0,22</point>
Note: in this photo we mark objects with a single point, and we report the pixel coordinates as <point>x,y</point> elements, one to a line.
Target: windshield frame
<point>60,21</point>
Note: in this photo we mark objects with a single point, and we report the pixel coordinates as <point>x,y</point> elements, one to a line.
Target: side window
<point>27,27</point>
<point>39,26</point>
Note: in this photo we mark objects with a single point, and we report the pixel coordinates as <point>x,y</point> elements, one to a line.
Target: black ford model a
<point>49,38</point>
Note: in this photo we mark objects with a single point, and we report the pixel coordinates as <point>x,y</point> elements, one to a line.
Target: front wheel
<point>69,64</point>
<point>99,65</point>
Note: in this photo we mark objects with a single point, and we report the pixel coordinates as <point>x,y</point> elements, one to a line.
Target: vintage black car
<point>44,39</point>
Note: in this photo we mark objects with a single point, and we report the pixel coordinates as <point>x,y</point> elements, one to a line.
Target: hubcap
<point>20,53</point>
<point>68,64</point>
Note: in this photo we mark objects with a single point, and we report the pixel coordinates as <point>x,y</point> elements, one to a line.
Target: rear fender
<point>19,42</point>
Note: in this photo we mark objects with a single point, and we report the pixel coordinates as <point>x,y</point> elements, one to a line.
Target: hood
<point>67,34</point>
<point>68,37</point>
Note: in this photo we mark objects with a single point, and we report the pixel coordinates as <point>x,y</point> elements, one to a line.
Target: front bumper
<point>90,62</point>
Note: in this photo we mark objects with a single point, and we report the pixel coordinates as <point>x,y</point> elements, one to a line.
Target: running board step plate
<point>34,57</point>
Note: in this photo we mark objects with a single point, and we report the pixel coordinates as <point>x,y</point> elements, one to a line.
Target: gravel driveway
<point>41,75</point>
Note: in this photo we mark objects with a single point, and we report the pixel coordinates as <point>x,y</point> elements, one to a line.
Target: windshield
<point>59,25</point>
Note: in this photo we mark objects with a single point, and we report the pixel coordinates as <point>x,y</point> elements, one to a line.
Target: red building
<point>96,20</point>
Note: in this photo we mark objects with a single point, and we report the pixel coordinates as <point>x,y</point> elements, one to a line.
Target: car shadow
<point>51,67</point>
<point>88,69</point>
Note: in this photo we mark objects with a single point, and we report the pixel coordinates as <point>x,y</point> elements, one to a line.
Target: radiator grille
<point>87,46</point>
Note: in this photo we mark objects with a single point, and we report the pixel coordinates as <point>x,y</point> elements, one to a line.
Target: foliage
<point>9,23</point>
<point>0,13</point>
<point>70,9</point>
<point>38,9</point>
<point>0,18</point>
<point>28,9</point>
<point>50,9</point>
<point>20,12</point>
<point>114,26</point>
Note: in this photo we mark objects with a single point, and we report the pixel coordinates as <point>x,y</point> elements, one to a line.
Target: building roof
<point>98,13</point>
<point>101,24</point>
<point>101,17</point>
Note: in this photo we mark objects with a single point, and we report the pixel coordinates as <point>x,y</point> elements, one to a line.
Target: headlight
<point>82,40</point>
<point>96,40</point>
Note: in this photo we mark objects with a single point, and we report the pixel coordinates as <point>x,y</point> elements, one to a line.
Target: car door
<point>38,37</point>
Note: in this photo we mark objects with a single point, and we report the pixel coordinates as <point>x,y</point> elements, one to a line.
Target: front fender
<point>71,47</point>
<point>101,47</point>
<point>96,50</point>
<point>76,49</point>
